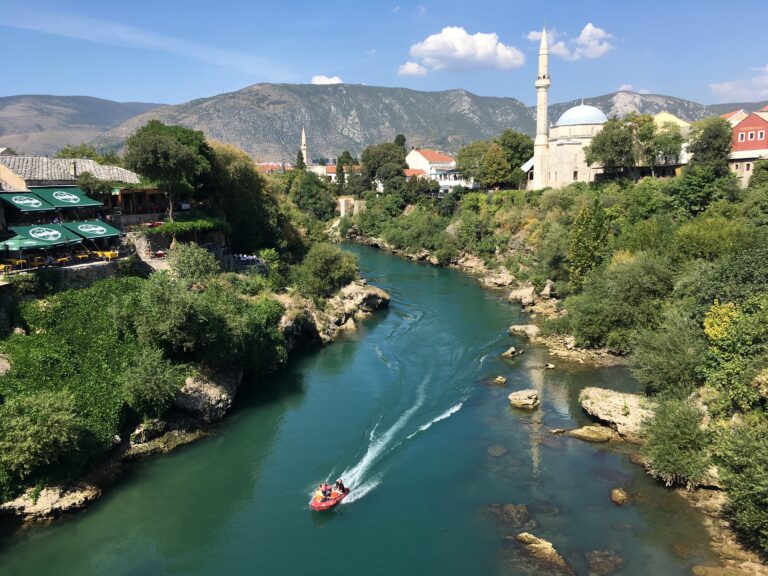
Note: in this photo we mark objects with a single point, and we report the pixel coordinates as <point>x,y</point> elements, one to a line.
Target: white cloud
<point>323,80</point>
<point>592,42</point>
<point>754,88</point>
<point>643,91</point>
<point>626,88</point>
<point>412,69</point>
<point>116,34</point>
<point>454,49</point>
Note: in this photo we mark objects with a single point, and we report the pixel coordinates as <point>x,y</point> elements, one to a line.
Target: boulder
<point>498,278</point>
<point>5,365</point>
<point>622,411</point>
<point>496,450</point>
<point>525,399</point>
<point>594,433</point>
<point>542,550</point>
<point>50,502</point>
<point>548,290</point>
<point>513,515</point>
<point>549,366</point>
<point>499,381</point>
<point>524,293</point>
<point>148,430</point>
<point>619,496</point>
<point>603,562</point>
<point>527,330</point>
<point>511,352</point>
<point>208,398</point>
<point>364,297</point>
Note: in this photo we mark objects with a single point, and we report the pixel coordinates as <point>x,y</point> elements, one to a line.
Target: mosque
<point>558,152</point>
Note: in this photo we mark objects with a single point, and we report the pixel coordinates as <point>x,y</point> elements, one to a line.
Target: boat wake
<point>447,414</point>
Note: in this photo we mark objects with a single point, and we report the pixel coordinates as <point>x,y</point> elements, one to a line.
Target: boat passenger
<point>340,486</point>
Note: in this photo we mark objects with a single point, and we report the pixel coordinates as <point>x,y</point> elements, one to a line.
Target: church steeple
<point>541,143</point>
<point>304,152</point>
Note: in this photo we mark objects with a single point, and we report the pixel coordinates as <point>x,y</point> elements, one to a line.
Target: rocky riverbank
<point>620,417</point>
<point>203,401</point>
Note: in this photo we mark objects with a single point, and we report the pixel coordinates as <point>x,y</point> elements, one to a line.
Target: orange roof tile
<point>414,172</point>
<point>729,114</point>
<point>435,157</point>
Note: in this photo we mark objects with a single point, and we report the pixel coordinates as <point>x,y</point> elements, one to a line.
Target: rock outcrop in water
<point>524,399</point>
<point>544,551</point>
<point>208,398</point>
<point>622,411</point>
<point>594,433</point>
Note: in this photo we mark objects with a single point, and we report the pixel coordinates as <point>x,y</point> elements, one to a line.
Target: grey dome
<point>582,114</point>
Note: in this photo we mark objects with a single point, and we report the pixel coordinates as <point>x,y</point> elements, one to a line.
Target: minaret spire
<point>304,152</point>
<point>541,143</point>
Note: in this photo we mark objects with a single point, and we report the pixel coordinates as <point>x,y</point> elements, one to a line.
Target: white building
<point>438,167</point>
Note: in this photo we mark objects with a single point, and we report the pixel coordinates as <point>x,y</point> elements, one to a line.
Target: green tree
<point>374,157</point>
<point>93,186</point>
<point>324,270</point>
<point>191,262</point>
<point>667,359</point>
<point>174,157</point>
<point>613,147</point>
<point>710,146</point>
<point>400,141</point>
<point>517,147</point>
<point>80,151</point>
<point>586,243</point>
<point>300,164</point>
<point>759,178</point>
<point>346,158</point>
<point>667,142</point>
<point>150,383</point>
<point>745,470</point>
<point>495,170</point>
<point>469,160</point>
<point>676,448</point>
<point>36,430</point>
<point>239,190</point>
<point>312,196</point>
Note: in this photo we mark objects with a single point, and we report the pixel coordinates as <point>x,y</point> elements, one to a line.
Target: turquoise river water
<point>403,411</point>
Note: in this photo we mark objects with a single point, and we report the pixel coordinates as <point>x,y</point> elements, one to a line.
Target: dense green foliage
<point>745,463</point>
<point>324,270</point>
<point>191,262</point>
<point>676,448</point>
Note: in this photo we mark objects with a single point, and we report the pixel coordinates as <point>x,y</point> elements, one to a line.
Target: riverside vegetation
<point>670,271</point>
<point>85,367</point>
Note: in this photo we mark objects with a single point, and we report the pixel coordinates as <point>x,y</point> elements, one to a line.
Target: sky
<point>167,51</point>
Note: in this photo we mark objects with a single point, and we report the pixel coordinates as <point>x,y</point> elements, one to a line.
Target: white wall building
<point>438,167</point>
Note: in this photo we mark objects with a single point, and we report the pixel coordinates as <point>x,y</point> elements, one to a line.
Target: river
<point>403,411</point>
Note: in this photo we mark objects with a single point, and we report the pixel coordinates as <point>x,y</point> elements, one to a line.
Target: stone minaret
<point>541,143</point>
<point>304,152</point>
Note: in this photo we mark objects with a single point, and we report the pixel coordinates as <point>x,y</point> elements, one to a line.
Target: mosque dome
<point>582,114</point>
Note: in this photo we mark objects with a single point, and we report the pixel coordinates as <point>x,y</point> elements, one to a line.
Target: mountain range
<point>266,120</point>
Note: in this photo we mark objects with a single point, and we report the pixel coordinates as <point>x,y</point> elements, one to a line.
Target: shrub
<point>325,269</point>
<point>676,447</point>
<point>626,294</point>
<point>667,359</point>
<point>35,430</point>
<point>25,283</point>
<point>709,237</point>
<point>745,471</point>
<point>738,338</point>
<point>191,262</point>
<point>150,383</point>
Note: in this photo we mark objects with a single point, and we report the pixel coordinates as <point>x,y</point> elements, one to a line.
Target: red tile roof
<point>435,157</point>
<point>409,172</point>
<point>763,109</point>
<point>729,114</point>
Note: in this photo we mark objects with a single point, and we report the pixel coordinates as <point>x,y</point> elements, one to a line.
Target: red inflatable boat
<point>320,502</point>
